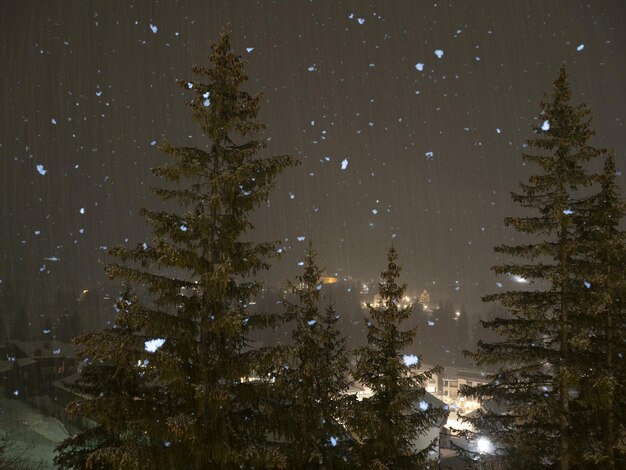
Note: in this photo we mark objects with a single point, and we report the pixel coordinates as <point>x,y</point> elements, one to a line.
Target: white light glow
<point>484,445</point>
<point>519,279</point>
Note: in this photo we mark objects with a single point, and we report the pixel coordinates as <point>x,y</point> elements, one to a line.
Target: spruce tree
<point>532,398</point>
<point>313,383</point>
<point>387,422</point>
<point>599,419</point>
<point>193,283</point>
<point>121,397</point>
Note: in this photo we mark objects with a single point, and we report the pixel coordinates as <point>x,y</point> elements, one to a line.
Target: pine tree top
<point>563,124</point>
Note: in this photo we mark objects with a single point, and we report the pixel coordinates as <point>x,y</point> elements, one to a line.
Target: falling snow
<point>410,360</point>
<point>365,99</point>
<point>153,344</point>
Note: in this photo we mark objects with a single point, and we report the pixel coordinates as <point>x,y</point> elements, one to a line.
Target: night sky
<point>408,116</point>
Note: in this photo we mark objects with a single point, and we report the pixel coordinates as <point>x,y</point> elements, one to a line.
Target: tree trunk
<point>609,437</point>
<point>563,369</point>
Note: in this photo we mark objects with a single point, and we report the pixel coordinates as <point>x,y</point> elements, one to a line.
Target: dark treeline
<point>203,368</point>
<point>445,335</point>
<point>63,318</point>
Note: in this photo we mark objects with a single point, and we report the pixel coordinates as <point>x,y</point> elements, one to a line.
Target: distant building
<point>328,280</point>
<point>432,385</point>
<point>453,379</point>
<point>30,369</point>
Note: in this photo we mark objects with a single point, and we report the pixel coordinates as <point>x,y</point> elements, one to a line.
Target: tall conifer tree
<point>312,385</point>
<point>533,397</point>
<point>194,282</point>
<point>599,419</point>
<point>389,421</point>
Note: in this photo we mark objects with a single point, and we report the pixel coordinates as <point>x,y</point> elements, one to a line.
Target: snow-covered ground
<point>34,434</point>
